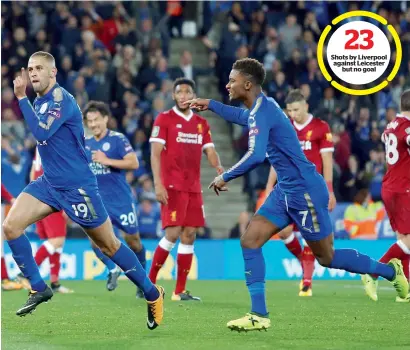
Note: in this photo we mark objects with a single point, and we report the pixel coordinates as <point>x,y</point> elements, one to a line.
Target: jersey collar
<point>48,95</point>
<point>402,116</point>
<point>301,126</point>
<point>186,117</point>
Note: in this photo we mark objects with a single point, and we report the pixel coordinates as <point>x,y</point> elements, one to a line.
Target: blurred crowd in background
<point>118,52</point>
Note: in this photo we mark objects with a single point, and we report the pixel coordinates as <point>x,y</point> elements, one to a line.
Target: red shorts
<point>52,226</point>
<point>184,209</point>
<point>397,206</point>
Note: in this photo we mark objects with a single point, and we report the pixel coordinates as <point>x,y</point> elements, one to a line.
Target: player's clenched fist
<point>100,157</point>
<point>200,104</point>
<point>20,84</point>
<point>162,194</point>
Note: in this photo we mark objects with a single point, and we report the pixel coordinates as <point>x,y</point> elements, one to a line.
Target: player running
<point>316,141</point>
<point>396,193</point>
<point>178,139</point>
<point>67,184</point>
<point>7,284</point>
<point>300,196</point>
<point>53,229</point>
<point>111,155</point>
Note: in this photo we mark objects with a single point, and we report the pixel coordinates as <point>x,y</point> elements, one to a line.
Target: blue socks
<point>23,255</point>
<point>353,261</point>
<point>255,279</point>
<point>126,259</point>
<point>105,259</point>
<point>141,255</point>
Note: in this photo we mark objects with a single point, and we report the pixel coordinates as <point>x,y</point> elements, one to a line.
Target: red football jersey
<point>396,138</point>
<point>38,168</point>
<point>315,138</point>
<point>185,138</point>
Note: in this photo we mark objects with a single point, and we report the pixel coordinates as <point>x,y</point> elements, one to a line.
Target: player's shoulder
<point>116,135</point>
<point>319,123</point>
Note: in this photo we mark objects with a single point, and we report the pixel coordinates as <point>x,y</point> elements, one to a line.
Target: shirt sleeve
<point>207,141</point>
<point>257,144</point>
<point>229,113</point>
<point>45,126</point>
<point>326,139</point>
<point>124,146</point>
<point>160,130</point>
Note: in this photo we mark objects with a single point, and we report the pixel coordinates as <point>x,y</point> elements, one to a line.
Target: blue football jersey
<point>112,182</point>
<point>272,136</point>
<point>57,124</point>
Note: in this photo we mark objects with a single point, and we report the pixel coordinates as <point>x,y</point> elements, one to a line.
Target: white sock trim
<point>289,239</point>
<point>403,247</point>
<point>165,244</point>
<point>185,249</point>
<point>50,248</point>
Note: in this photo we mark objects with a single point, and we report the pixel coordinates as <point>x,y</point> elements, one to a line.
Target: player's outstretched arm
<point>258,141</point>
<point>229,113</point>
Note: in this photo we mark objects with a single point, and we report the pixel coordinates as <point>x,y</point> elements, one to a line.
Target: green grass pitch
<point>338,316</point>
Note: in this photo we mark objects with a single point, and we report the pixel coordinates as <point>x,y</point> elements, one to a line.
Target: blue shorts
<point>84,205</point>
<point>308,210</point>
<point>124,218</point>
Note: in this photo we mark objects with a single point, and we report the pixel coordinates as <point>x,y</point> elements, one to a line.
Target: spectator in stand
<point>290,34</point>
<point>149,218</point>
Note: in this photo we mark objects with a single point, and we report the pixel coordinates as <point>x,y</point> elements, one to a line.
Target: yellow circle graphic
<point>345,89</point>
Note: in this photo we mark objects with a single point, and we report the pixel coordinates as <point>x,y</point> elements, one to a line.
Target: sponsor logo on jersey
<point>199,128</point>
<point>306,145</point>
<point>179,126</point>
<point>155,131</point>
<point>309,135</point>
<point>106,146</point>
<point>189,138</point>
<point>392,125</point>
<point>43,108</point>
<point>99,169</point>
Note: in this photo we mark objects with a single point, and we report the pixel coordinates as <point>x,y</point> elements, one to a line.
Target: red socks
<point>293,245</point>
<point>44,252</point>
<point>160,256</point>
<point>308,265</point>
<point>4,274</point>
<point>184,261</point>
<point>399,251</point>
<point>55,265</point>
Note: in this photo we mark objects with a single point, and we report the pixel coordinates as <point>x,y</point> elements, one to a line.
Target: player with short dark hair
<point>300,196</point>
<point>396,193</point>
<point>315,139</point>
<point>178,139</point>
<point>67,184</point>
<point>110,155</point>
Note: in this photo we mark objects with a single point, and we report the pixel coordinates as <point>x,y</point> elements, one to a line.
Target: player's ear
<point>248,85</point>
<point>53,72</point>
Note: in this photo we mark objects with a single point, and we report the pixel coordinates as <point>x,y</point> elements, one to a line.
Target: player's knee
<point>172,233</point>
<point>134,242</point>
<point>10,229</point>
<point>188,237</point>
<point>325,258</point>
<point>110,248</point>
<point>250,241</point>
